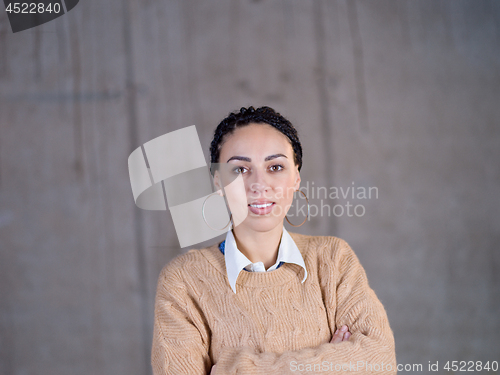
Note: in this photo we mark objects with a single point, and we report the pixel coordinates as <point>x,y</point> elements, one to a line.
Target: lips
<point>260,203</point>
<point>261,207</point>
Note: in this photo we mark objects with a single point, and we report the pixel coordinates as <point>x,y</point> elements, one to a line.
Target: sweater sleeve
<point>180,336</point>
<point>349,300</point>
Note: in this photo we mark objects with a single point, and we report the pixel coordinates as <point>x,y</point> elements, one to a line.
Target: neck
<point>259,246</point>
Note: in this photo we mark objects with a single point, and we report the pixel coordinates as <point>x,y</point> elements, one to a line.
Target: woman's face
<point>264,157</point>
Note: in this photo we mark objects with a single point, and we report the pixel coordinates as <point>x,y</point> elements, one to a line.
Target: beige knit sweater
<point>274,324</point>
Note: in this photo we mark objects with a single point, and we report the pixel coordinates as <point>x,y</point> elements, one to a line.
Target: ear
<point>297,179</point>
<point>217,182</point>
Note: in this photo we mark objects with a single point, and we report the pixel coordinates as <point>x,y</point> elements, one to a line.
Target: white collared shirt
<point>236,261</point>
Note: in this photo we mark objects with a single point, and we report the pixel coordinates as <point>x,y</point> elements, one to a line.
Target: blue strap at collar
<point>222,247</point>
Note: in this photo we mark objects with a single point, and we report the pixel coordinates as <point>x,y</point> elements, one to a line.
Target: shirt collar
<point>236,261</point>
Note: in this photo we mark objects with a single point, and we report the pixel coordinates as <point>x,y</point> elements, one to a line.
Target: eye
<point>239,170</point>
<point>275,167</point>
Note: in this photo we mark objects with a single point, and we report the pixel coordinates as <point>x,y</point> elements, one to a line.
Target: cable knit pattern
<point>274,324</point>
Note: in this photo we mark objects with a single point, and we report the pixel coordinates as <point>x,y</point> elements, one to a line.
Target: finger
<point>339,334</point>
<point>343,330</point>
<point>337,337</point>
<point>346,336</point>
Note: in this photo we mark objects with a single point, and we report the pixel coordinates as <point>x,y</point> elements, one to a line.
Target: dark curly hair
<point>262,115</point>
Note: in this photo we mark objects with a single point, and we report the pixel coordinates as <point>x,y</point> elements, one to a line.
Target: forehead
<point>256,139</point>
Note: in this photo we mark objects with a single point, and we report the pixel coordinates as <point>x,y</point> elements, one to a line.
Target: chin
<point>261,224</point>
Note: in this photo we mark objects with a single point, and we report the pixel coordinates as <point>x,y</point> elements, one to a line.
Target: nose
<point>258,183</point>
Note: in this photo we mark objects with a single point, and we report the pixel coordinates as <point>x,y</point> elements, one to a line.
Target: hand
<point>341,335</point>
<point>212,372</point>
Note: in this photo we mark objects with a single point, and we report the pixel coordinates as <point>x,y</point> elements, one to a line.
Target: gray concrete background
<point>402,95</point>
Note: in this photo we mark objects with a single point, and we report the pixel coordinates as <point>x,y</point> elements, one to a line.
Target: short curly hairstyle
<point>262,115</point>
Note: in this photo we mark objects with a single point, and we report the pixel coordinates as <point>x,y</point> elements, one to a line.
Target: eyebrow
<point>244,158</point>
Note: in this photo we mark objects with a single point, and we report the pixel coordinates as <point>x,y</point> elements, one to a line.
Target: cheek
<point>289,197</point>
<point>285,191</point>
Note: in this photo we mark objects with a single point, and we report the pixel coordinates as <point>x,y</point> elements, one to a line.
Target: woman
<point>265,300</point>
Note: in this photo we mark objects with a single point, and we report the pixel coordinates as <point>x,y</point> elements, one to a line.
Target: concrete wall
<point>401,96</point>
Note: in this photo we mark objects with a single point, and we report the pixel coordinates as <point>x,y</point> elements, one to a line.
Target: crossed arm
<point>340,335</point>
<point>349,300</point>
<point>366,346</point>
